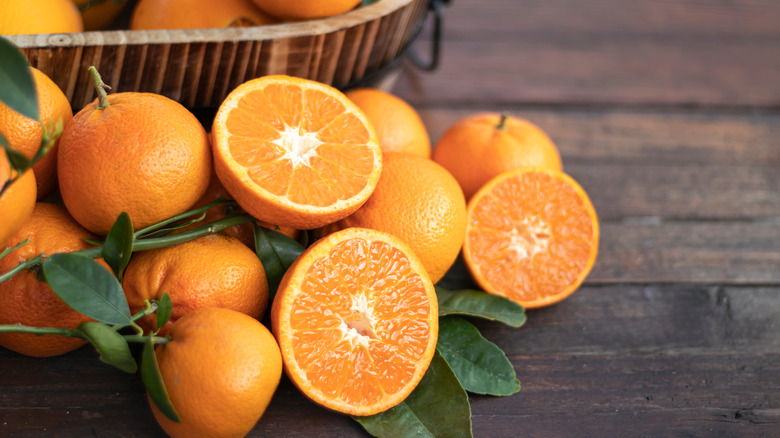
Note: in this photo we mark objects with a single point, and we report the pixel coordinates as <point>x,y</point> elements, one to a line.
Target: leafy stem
<point>147,243</point>
<point>73,333</point>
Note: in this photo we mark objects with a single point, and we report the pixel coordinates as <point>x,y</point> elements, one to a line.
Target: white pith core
<point>299,147</point>
<point>530,237</point>
<point>358,328</point>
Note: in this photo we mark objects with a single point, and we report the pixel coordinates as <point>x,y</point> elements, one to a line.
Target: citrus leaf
<point>88,287</point>
<point>164,309</point>
<point>150,374</point>
<point>480,365</point>
<point>438,407</point>
<point>111,346</point>
<point>277,252</point>
<point>118,246</point>
<point>18,91</point>
<point>479,304</point>
<point>18,160</point>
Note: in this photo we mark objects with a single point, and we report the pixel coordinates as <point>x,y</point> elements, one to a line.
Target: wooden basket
<point>200,67</point>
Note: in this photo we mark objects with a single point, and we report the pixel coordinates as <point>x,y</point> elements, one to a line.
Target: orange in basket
<point>196,14</point>
<point>532,236</point>
<point>295,152</point>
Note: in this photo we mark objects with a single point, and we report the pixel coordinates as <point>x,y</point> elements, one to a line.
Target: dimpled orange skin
<point>474,150</point>
<point>25,134</point>
<point>212,271</point>
<point>20,17</point>
<point>305,9</point>
<point>419,202</point>
<point>398,125</point>
<point>197,14</point>
<point>221,369</point>
<point>24,299</point>
<point>16,202</point>
<point>144,154</point>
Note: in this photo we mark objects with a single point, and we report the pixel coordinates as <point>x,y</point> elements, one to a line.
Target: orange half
<point>531,235</point>
<point>295,152</point>
<point>356,319</point>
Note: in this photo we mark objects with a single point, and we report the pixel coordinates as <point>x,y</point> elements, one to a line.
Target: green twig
<point>144,231</point>
<point>101,88</point>
<point>20,328</point>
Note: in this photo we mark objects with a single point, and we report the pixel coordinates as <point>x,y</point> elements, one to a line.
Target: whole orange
<point>221,369</point>
<point>99,16</point>
<point>25,134</point>
<point>305,9</point>
<point>480,147</point>
<point>18,17</point>
<point>419,202</point>
<point>24,299</point>
<point>398,125</point>
<point>17,200</point>
<point>212,271</point>
<point>197,14</point>
<point>143,154</point>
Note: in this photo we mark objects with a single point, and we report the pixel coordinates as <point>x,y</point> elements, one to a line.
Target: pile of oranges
<point>383,216</point>
<point>63,16</point>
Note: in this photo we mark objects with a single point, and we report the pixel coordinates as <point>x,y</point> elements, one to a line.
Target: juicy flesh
<point>531,236</point>
<point>301,144</point>
<point>360,322</point>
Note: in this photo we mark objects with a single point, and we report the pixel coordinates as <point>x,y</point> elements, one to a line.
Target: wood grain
<point>606,52</point>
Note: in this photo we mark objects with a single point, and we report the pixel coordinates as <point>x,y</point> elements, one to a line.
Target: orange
<point>419,202</point>
<point>19,17</point>
<point>244,232</point>
<point>17,200</point>
<point>101,14</point>
<point>24,299</point>
<point>479,147</point>
<point>532,236</point>
<point>397,124</point>
<point>212,271</point>
<point>295,152</point>
<point>144,154</point>
<point>356,318</point>
<point>25,134</point>
<point>221,369</point>
<point>305,9</point>
<point>196,14</point>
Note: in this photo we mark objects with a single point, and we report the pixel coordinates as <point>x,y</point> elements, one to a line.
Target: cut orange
<point>295,152</point>
<point>356,318</point>
<point>532,236</point>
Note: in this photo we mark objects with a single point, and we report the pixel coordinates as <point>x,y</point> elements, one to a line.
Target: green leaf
<point>480,365</point>
<point>438,407</point>
<point>88,287</point>
<point>150,373</point>
<point>164,309</point>
<point>368,2</point>
<point>18,90</point>
<point>277,252</point>
<point>18,160</point>
<point>111,346</point>
<point>118,246</point>
<point>479,304</point>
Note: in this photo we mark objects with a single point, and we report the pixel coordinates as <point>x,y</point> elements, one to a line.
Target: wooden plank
<point>632,137</point>
<point>606,52</point>
<point>688,252</point>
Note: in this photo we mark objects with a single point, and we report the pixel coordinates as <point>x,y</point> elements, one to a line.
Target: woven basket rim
<point>337,23</point>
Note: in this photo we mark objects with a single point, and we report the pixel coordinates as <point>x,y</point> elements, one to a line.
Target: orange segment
<point>532,236</point>
<point>356,318</point>
<point>295,152</point>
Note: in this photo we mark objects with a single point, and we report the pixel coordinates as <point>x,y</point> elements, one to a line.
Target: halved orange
<point>356,318</point>
<point>531,235</point>
<point>295,152</point>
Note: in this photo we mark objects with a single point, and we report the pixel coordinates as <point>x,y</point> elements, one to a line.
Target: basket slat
<point>200,67</point>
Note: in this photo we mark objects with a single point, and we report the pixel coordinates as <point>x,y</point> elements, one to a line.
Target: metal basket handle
<point>437,8</point>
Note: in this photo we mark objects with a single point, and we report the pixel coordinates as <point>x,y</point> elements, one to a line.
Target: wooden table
<point>667,113</point>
